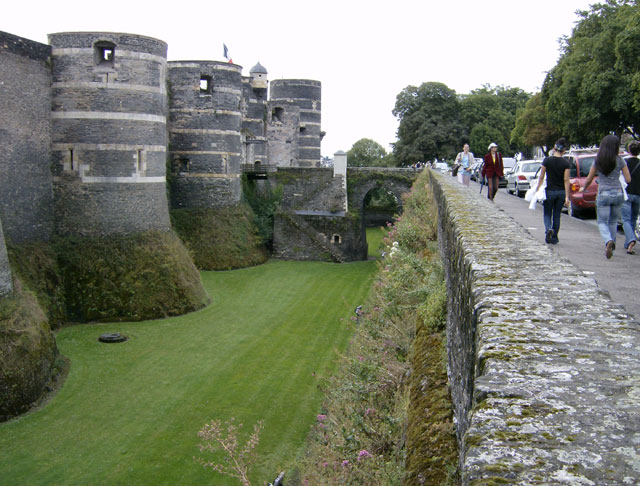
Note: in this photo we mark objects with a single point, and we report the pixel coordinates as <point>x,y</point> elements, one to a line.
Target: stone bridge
<point>361,180</point>
<point>322,217</point>
<point>544,367</point>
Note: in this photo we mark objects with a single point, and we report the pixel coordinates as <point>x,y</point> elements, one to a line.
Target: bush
<point>220,239</point>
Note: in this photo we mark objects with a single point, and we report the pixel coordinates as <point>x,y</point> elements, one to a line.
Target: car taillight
<point>522,178</point>
<point>575,187</point>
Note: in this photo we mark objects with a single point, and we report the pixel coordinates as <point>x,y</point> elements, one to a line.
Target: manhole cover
<point>114,337</point>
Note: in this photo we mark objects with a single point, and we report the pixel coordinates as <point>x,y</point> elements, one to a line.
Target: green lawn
<point>129,413</point>
<point>374,238</point>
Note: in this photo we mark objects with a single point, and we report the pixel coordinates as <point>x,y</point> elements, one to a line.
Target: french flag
<point>226,53</point>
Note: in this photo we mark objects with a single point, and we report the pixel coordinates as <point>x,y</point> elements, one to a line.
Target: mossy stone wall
<point>543,366</point>
<point>28,352</point>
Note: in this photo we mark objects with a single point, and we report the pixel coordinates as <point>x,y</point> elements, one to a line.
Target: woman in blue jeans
<point>608,165</point>
<point>556,170</point>
<point>631,206</point>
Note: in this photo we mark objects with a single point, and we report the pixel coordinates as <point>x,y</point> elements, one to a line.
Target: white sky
<point>364,54</point>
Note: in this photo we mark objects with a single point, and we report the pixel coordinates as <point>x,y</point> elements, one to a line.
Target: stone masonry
<point>26,196</point>
<point>6,282</point>
<point>543,365</point>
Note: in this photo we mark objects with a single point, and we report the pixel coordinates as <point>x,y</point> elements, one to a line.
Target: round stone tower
<point>109,138</point>
<point>205,122</point>
<point>254,110</point>
<point>306,95</point>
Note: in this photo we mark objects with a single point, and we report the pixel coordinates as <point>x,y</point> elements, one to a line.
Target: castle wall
<point>6,282</point>
<point>254,119</point>
<point>306,95</point>
<point>205,122</point>
<point>109,139</point>
<point>25,124</point>
<point>283,125</point>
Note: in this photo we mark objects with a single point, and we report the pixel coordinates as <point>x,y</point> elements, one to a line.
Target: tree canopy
<point>489,115</point>
<point>594,89</point>
<point>436,122</point>
<point>532,127</point>
<point>429,123</point>
<point>366,153</point>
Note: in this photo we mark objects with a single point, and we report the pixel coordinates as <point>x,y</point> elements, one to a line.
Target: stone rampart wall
<point>544,367</point>
<point>26,196</point>
<point>6,282</point>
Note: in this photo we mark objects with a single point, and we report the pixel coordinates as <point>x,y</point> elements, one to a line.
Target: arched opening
<point>379,208</point>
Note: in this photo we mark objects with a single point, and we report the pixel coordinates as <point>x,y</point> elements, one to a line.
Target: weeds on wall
<point>264,201</point>
<point>28,351</point>
<point>37,266</point>
<point>375,427</point>
<point>220,239</point>
<point>129,277</point>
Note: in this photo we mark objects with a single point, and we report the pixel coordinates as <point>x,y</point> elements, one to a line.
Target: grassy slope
<point>129,413</point>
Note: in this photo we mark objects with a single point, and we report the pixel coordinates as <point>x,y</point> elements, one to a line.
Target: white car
<point>442,167</point>
<point>519,179</point>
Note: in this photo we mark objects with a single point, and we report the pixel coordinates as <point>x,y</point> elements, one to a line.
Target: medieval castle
<point>92,123</point>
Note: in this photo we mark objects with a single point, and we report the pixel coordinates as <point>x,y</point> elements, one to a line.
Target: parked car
<point>580,162</point>
<point>518,179</point>
<point>442,167</point>
<point>475,171</point>
<point>508,163</point>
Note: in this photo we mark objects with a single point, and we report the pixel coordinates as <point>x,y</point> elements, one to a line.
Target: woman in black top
<point>631,206</point>
<point>556,170</point>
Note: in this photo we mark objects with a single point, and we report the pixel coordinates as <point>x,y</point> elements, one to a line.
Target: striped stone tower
<point>205,123</point>
<point>306,95</point>
<point>109,139</point>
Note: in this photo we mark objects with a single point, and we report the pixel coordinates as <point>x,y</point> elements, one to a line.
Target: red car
<point>580,162</point>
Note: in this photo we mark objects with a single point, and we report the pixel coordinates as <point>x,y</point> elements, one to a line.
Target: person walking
<point>608,166</point>
<point>556,170</point>
<point>631,207</point>
<point>493,170</point>
<point>465,159</point>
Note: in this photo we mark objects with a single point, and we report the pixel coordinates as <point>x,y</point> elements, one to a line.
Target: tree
<point>366,153</point>
<point>532,126</point>
<point>429,123</point>
<point>594,89</point>
<point>491,111</point>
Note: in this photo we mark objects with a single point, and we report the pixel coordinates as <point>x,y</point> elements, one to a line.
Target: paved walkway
<point>581,244</point>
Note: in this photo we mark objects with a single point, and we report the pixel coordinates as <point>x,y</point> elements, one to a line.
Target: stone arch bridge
<point>321,215</point>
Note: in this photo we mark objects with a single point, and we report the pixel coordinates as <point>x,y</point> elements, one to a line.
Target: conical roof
<point>258,69</point>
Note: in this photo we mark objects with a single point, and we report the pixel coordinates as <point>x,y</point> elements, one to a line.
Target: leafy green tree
<point>491,111</point>
<point>366,153</point>
<point>429,123</point>
<point>533,127</point>
<point>482,135</point>
<point>594,89</point>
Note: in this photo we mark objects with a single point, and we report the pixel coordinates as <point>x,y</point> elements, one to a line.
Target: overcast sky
<point>364,54</point>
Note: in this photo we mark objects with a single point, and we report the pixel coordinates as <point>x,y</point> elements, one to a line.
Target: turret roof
<point>258,69</point>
